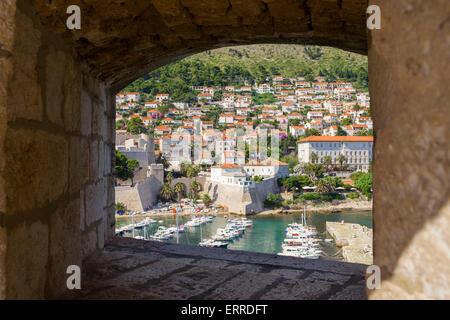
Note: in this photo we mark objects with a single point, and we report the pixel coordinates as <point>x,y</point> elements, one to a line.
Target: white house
<point>230,174</point>
<point>162,96</point>
<point>269,168</point>
<point>127,97</point>
<point>297,131</point>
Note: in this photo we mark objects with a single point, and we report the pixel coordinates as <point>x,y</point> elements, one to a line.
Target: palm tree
<point>314,157</point>
<point>169,177</point>
<point>180,189</point>
<point>206,200</point>
<point>325,186</point>
<point>327,161</point>
<point>195,187</point>
<point>166,192</point>
<point>341,159</point>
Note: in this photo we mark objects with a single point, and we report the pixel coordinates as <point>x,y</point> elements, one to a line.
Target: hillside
<point>249,64</point>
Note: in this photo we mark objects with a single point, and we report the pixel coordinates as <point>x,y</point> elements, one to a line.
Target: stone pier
<point>355,240</point>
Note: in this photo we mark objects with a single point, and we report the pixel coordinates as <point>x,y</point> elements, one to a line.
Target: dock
<point>356,241</point>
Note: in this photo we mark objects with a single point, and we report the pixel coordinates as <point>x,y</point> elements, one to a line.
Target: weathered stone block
<point>54,81</point>
<point>27,261</point>
<point>89,242</point>
<point>36,171</point>
<point>64,250</point>
<point>93,160</point>
<point>95,202</point>
<point>72,96</point>
<point>86,114</point>
<point>79,163</point>
<point>27,103</point>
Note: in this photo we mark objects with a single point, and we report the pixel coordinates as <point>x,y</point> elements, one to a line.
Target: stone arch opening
<point>56,134</point>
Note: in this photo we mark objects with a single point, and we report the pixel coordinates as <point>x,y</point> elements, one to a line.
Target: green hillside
<point>249,64</point>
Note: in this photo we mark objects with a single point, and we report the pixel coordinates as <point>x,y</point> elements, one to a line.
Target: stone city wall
<point>241,200</point>
<point>56,143</point>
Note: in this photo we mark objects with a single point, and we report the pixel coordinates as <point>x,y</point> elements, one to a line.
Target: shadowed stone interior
<point>57,127</point>
<point>136,269</point>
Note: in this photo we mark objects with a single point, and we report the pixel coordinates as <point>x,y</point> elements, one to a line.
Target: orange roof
<point>337,139</point>
<point>230,165</point>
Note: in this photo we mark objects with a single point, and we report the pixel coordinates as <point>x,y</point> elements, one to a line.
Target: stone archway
<point>56,131</point>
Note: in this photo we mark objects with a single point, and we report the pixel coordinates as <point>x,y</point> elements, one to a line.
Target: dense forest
<point>245,65</point>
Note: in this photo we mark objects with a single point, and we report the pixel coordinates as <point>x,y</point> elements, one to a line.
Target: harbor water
<point>266,235</point>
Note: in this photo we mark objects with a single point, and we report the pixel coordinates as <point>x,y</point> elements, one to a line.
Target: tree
<point>314,157</point>
<point>179,189</point>
<point>364,184</point>
<point>272,201</point>
<point>169,177</point>
<point>293,183</point>
<point>120,206</point>
<point>346,122</point>
<point>195,187</point>
<point>327,161</point>
<point>341,159</point>
<point>325,186</point>
<point>314,53</point>
<point>310,132</point>
<point>328,184</point>
<point>135,126</point>
<point>162,159</point>
<point>124,168</point>
<point>166,192</point>
<point>206,200</point>
<point>120,124</point>
<point>314,171</point>
<point>340,132</point>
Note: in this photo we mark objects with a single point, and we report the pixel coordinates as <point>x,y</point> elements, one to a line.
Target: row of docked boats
<point>130,227</point>
<point>301,241</point>
<point>233,230</point>
<point>167,233</point>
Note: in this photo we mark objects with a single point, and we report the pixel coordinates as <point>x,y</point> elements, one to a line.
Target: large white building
<point>356,149</point>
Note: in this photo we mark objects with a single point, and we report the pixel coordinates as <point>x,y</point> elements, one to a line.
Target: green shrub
<point>272,201</point>
<point>354,195</point>
<point>321,197</point>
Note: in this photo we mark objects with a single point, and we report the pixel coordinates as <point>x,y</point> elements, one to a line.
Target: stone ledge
<point>136,269</point>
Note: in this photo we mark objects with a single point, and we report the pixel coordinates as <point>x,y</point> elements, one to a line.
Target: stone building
<point>356,149</point>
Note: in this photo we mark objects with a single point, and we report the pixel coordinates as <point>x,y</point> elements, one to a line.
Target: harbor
<point>266,233</point>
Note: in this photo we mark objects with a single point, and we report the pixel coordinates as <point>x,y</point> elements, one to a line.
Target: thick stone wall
<point>140,196</point>
<point>56,204</point>
<point>56,121</point>
<point>241,200</point>
<point>408,64</point>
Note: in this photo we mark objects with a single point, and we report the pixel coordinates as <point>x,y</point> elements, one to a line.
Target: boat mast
<point>178,231</point>
<point>132,221</point>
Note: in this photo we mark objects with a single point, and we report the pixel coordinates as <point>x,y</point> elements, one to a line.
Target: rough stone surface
<point>137,269</point>
<point>44,127</point>
<point>409,95</point>
<point>122,40</point>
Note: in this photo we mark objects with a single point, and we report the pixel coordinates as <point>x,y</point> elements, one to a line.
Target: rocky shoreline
<point>360,205</point>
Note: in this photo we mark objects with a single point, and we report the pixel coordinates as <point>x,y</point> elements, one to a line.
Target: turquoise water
<point>267,233</point>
